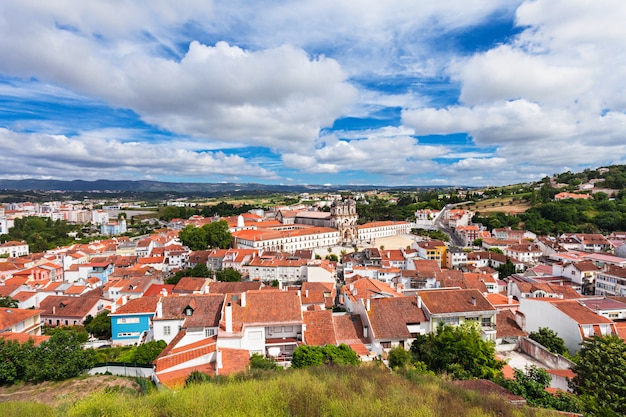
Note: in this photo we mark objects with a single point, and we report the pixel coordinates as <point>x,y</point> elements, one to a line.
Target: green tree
<point>79,332</point>
<point>506,269</point>
<point>217,234</point>
<point>532,386</point>
<point>58,358</point>
<point>100,326</point>
<point>258,361</point>
<point>601,375</point>
<point>305,356</point>
<point>458,351</point>
<point>332,257</point>
<point>14,359</point>
<point>549,339</point>
<point>195,238</point>
<point>399,357</point>
<point>228,275</point>
<point>477,242</point>
<point>148,352</point>
<point>8,302</point>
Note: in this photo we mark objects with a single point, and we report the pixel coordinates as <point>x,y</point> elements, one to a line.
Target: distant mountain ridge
<point>181,187</point>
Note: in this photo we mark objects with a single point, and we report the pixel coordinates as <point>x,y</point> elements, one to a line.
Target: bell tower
<point>343,217</point>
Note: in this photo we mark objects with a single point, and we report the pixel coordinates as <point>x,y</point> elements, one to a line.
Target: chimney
<point>124,299</point>
<point>367,304</point>
<point>243,299</point>
<point>306,293</point>
<point>54,309</point>
<point>365,332</point>
<point>473,301</point>
<point>419,301</point>
<point>206,289</point>
<point>159,309</point>
<point>509,299</point>
<point>229,318</point>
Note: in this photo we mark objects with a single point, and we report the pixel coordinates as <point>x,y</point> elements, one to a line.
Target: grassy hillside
<point>323,391</point>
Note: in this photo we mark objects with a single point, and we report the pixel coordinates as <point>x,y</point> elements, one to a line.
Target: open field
<point>57,394</point>
<point>504,204</point>
<point>315,392</point>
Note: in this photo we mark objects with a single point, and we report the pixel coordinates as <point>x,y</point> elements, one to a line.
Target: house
<point>190,285</point>
<point>391,322</point>
<point>324,327</point>
<point>455,306</point>
<point>526,253</point>
<point>283,270</point>
<point>455,258</point>
<point>611,308</point>
<point>565,195</point>
<point>568,318</point>
<point>17,320</point>
<point>133,320</point>
<point>589,242</point>
<point>267,322</point>
<point>492,259</point>
<point>434,250</point>
<point>508,330</point>
<point>611,281</point>
<point>364,288</point>
<point>197,315</point>
<point>519,289</point>
<point>14,249</point>
<point>69,311</point>
<point>320,270</point>
<point>582,273</point>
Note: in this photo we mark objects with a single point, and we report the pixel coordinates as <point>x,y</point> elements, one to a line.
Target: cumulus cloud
<point>552,97</point>
<point>378,153</point>
<point>96,157</point>
<point>274,75</point>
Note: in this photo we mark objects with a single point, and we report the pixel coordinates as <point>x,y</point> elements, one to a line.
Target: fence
<point>123,369</point>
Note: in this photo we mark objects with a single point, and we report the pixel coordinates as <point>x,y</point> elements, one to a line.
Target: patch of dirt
<point>56,393</point>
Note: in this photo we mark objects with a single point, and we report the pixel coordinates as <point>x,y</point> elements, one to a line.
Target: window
<point>127,320</point>
<point>128,334</point>
<point>167,330</point>
<point>450,320</point>
<point>385,345</point>
<point>209,332</point>
<point>486,322</point>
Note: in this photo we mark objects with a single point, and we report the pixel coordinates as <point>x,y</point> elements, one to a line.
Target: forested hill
<point>180,187</point>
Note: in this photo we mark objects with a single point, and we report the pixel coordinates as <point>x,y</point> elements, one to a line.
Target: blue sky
<point>403,92</point>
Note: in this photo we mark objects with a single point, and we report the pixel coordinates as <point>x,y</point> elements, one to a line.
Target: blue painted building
<point>132,322</point>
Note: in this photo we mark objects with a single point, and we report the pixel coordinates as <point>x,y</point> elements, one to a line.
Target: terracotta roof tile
<point>348,329</point>
<point>506,326</point>
<point>145,304</point>
<point>22,338</point>
<point>11,316</point>
<point>454,301</point>
<point>389,317</point>
<point>234,360</point>
<point>320,330</point>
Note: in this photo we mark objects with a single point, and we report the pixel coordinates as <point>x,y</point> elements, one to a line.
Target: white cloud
<point>95,157</point>
<point>377,154</point>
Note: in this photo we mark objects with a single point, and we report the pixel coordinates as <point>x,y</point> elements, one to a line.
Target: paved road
<point>454,239</point>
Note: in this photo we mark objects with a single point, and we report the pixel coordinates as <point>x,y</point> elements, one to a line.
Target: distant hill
<point>180,187</point>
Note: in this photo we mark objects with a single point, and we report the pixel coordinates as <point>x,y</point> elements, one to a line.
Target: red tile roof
<point>320,330</point>
<point>12,316</point>
<point>22,338</point>
<point>454,301</point>
<point>389,317</point>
